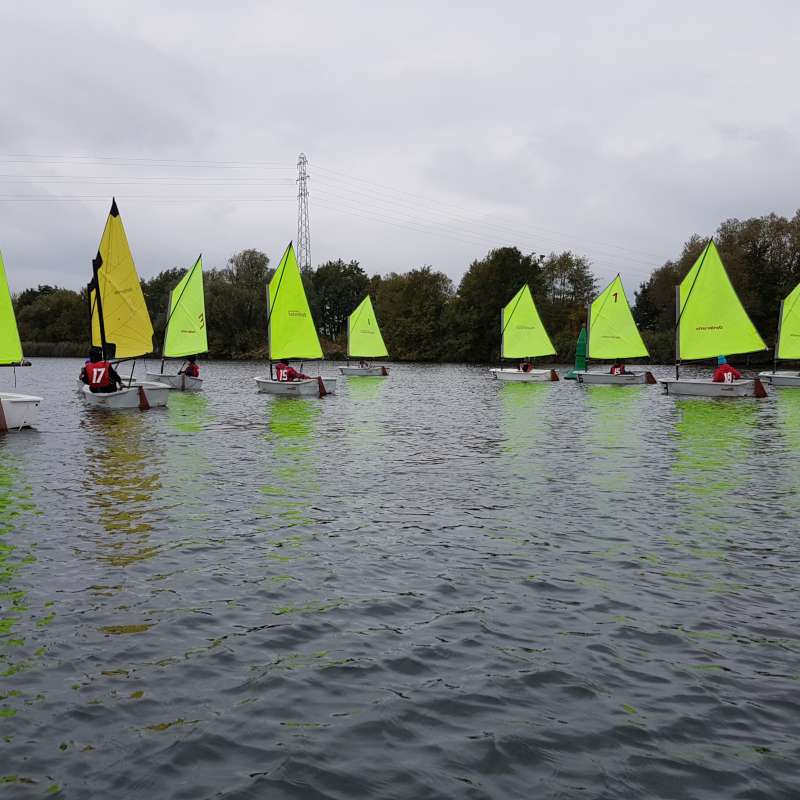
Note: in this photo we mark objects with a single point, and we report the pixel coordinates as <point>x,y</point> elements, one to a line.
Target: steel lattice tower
<point>303,226</point>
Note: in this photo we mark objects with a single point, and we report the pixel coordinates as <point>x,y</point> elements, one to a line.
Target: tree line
<point>424,316</point>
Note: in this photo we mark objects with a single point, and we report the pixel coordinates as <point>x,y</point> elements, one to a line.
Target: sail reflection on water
<point>615,440</point>
<point>16,505</point>
<point>716,444</point>
<point>123,476</point>
<point>787,407</point>
<point>185,480</point>
<point>292,460</point>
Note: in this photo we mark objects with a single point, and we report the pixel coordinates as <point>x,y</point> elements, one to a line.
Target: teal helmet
<point>721,360</point>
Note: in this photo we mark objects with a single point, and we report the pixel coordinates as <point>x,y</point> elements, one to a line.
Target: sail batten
<point>788,345</point>
<point>186,324</point>
<point>290,328</point>
<point>126,321</point>
<point>364,338</point>
<point>612,330</point>
<point>711,318</point>
<point>10,345</point>
<point>522,331</point>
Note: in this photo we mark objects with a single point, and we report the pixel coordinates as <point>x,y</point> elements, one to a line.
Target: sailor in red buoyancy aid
<point>191,369</point>
<point>99,375</point>
<point>618,368</point>
<point>725,373</point>
<point>283,372</point>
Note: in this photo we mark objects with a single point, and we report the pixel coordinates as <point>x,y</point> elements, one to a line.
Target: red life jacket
<point>282,373</point>
<point>192,370</point>
<point>98,373</point>
<point>617,369</point>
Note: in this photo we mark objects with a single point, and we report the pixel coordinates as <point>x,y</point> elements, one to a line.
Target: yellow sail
<point>186,323</point>
<point>612,332</point>
<point>789,327</point>
<point>10,347</point>
<point>521,330</point>
<point>126,322</point>
<point>711,318</point>
<point>364,338</point>
<point>291,330</point>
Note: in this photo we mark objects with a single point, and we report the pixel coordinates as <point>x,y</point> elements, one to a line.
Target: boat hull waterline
<point>365,372</point>
<point>181,383</point>
<point>705,387</point>
<point>781,378</point>
<point>140,394</point>
<point>310,387</point>
<point>533,376</point>
<point>18,411</point>
<point>606,378</point>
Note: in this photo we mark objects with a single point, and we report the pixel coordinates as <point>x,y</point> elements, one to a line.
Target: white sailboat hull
<point>781,378</point>
<point>535,375</point>
<point>705,387</point>
<point>140,394</point>
<point>19,411</point>
<point>309,387</point>
<point>606,378</point>
<point>182,383</point>
<point>374,371</point>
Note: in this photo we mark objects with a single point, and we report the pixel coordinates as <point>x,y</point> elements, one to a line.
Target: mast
<point>96,264</point>
<point>677,332</point>
<point>777,338</point>
<point>588,332</point>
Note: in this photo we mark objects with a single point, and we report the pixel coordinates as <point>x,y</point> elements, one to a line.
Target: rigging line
<point>26,158</point>
<point>459,208</point>
<point>513,310</point>
<point>487,238</point>
<point>177,302</point>
<point>510,231</point>
<point>691,288</point>
<point>190,180</point>
<point>45,198</point>
<point>481,241</point>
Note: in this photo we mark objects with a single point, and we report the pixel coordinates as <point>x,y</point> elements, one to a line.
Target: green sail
<point>612,332</point>
<point>364,338</point>
<point>10,347</point>
<point>789,331</point>
<point>711,318</point>
<point>523,334</point>
<point>291,329</point>
<point>186,321</point>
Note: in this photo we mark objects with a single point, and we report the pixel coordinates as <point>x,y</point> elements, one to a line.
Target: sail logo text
<point>297,313</point>
<point>708,328</point>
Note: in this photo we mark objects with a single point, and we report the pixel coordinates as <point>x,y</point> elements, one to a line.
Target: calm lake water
<point>429,586</point>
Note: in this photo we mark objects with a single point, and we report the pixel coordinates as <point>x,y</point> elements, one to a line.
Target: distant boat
<point>787,344</point>
<point>612,335</point>
<point>711,321</point>
<point>185,333</point>
<point>523,337</point>
<point>580,356</point>
<point>291,331</point>
<point>16,410</point>
<point>364,340</point>
<point>120,322</point>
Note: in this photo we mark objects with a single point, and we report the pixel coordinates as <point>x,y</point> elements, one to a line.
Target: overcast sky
<point>434,131</point>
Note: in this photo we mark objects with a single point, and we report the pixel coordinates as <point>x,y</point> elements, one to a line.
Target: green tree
<point>410,309</point>
<point>334,289</point>
<point>488,284</point>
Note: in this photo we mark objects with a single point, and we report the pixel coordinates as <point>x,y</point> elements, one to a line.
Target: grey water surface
<point>432,585</point>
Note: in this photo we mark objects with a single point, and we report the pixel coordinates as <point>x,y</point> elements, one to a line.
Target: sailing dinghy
<point>612,335</point>
<point>711,321</point>
<point>120,320</point>
<point>364,340</point>
<point>787,345</point>
<point>16,410</point>
<point>291,332</point>
<point>185,334</point>
<point>523,336</point>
